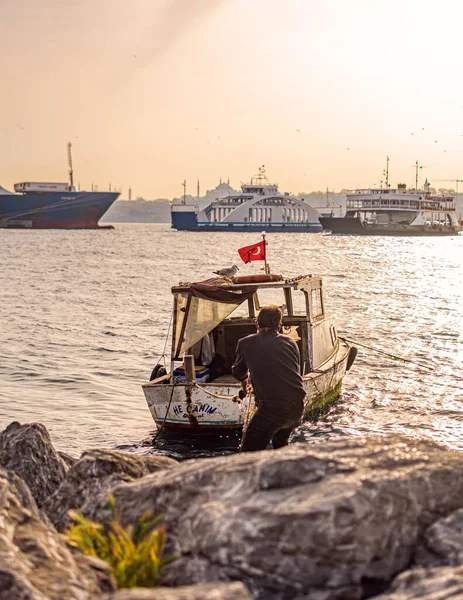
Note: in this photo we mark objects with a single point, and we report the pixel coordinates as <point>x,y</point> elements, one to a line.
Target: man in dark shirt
<point>273,362</point>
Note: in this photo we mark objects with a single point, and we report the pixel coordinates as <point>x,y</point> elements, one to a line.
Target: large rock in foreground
<point>96,473</point>
<point>314,522</point>
<point>35,563</point>
<point>207,591</point>
<point>27,450</point>
<point>442,543</point>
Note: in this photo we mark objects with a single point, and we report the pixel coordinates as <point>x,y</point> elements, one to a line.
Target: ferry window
<point>317,305</point>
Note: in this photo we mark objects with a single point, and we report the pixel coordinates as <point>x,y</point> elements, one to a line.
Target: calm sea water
<point>84,317</point>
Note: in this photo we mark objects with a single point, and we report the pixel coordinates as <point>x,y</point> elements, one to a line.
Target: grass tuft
<point>134,553</point>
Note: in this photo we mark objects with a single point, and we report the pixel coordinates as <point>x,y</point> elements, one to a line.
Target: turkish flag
<point>254,252</point>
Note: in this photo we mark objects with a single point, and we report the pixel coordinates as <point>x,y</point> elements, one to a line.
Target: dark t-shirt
<point>274,363</point>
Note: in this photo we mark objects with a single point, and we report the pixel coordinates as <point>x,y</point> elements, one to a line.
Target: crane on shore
<point>455,181</point>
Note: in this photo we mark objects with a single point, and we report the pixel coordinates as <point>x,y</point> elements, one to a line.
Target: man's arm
<point>240,368</point>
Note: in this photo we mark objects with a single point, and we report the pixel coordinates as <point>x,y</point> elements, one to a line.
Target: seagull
<point>230,272</point>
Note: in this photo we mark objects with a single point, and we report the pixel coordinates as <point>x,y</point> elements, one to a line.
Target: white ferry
<point>396,212</point>
<point>259,205</point>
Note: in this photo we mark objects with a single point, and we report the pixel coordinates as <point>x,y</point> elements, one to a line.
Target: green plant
<point>135,553</point>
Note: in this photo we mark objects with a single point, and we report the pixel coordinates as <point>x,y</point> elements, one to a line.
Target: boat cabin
<point>209,320</point>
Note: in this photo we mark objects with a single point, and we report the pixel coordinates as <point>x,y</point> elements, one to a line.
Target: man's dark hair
<point>269,317</point>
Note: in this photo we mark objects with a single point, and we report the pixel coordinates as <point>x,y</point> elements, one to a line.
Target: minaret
<point>197,193</point>
<point>130,193</point>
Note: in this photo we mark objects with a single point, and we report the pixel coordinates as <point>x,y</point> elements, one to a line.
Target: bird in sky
<point>298,130</point>
<point>230,272</point>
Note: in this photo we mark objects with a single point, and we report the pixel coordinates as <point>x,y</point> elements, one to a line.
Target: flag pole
<point>266,269</point>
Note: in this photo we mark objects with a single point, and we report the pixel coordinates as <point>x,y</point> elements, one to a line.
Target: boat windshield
<point>201,310</point>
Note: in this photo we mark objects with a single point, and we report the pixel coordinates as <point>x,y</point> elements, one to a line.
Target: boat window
<point>270,297</point>
<point>317,305</point>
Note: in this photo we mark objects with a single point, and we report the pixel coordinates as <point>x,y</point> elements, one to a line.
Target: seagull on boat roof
<point>230,272</point>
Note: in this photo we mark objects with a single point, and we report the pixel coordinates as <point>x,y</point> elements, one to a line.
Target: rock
<point>206,591</point>
<point>69,460</point>
<point>35,563</point>
<point>95,474</point>
<point>27,450</point>
<point>439,583</point>
<point>443,543</point>
<point>314,522</point>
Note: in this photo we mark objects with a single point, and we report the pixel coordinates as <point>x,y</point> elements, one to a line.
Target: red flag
<point>254,252</point>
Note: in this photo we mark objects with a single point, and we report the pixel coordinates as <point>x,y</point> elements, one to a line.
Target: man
<point>273,363</point>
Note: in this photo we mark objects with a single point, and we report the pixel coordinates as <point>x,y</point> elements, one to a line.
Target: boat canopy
<point>200,309</point>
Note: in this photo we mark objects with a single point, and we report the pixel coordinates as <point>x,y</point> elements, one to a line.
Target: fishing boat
<point>259,205</point>
<point>208,320</point>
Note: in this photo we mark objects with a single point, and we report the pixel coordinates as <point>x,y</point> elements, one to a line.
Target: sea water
<point>84,317</point>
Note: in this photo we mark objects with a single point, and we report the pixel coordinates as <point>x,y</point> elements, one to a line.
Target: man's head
<point>269,318</point>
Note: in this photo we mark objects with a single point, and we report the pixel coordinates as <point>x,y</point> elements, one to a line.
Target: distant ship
<point>396,212</point>
<point>53,205</point>
<point>259,205</point>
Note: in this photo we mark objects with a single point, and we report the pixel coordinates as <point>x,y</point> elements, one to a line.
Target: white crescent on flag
<point>256,252</point>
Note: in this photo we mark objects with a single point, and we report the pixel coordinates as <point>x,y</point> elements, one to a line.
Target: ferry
<point>396,212</point>
<point>259,206</point>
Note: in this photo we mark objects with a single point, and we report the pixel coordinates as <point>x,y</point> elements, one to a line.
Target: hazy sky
<point>151,92</point>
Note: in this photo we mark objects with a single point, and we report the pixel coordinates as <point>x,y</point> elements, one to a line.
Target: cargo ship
<point>36,205</point>
<point>259,205</point>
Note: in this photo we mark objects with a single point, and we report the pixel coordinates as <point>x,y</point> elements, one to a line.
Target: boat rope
<point>234,398</point>
<point>388,354</point>
<point>163,355</point>
<point>247,416</point>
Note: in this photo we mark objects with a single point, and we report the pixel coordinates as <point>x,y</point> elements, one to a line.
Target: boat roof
<point>297,283</point>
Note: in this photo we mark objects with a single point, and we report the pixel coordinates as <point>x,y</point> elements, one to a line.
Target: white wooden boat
<point>221,315</point>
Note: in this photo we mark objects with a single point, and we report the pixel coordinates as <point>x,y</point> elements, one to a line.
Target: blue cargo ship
<point>54,210</point>
<point>259,206</point>
<point>53,205</point>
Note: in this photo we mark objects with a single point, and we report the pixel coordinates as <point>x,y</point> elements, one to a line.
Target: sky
<point>154,92</point>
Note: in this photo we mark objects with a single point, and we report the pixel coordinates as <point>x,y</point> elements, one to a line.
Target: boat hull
<point>269,227</point>
<point>211,406</point>
<point>55,210</point>
<point>354,226</point>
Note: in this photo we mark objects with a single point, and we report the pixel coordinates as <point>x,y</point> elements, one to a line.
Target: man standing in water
<point>273,363</point>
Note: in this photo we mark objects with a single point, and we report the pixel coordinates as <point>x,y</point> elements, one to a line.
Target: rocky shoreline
<point>356,518</point>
